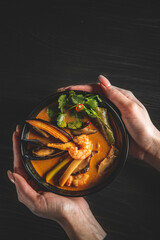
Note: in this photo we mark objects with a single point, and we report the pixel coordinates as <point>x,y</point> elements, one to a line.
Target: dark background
<point>50,44</point>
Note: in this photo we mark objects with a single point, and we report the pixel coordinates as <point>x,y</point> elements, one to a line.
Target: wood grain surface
<point>50,44</point>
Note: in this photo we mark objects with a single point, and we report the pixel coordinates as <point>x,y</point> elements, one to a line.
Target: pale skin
<point>74,214</point>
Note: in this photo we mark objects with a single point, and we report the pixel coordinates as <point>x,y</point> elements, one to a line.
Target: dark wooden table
<point>58,43</point>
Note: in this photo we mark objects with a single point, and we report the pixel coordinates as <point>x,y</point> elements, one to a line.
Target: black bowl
<point>122,143</point>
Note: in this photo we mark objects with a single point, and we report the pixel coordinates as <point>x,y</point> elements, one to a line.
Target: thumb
<point>113,94</point>
<point>25,192</point>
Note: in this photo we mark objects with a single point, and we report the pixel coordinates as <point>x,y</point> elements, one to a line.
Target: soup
<point>73,143</point>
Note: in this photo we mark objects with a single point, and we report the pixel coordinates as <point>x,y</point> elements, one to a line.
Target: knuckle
<point>129,93</point>
<point>132,107</point>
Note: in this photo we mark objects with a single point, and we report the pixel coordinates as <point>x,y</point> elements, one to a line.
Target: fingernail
<point>63,88</point>
<point>10,176</point>
<point>104,81</point>
<point>60,89</point>
<point>18,128</point>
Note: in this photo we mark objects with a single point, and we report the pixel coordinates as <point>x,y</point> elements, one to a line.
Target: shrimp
<point>69,181</point>
<point>84,150</point>
<point>61,146</point>
<point>76,181</point>
<point>79,149</point>
<point>80,180</point>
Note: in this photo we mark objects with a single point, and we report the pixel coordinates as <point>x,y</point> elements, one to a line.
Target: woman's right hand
<point>144,136</point>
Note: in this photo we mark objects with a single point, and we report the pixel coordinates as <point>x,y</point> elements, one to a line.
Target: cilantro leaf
<point>76,114</point>
<point>62,100</point>
<point>77,99</point>
<point>61,120</point>
<point>91,96</point>
<point>52,112</point>
<point>69,102</point>
<point>92,103</point>
<point>76,124</point>
<point>71,93</point>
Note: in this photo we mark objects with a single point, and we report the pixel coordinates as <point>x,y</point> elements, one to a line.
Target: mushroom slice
<point>85,130</point>
<point>108,160</point>
<point>83,166</point>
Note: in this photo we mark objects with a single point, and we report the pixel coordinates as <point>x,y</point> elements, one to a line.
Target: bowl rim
<point>47,186</point>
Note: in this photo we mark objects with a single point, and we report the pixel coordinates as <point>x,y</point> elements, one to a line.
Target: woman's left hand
<point>73,214</point>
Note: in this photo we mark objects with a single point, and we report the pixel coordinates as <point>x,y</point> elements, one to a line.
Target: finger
<point>10,176</point>
<point>17,164</point>
<point>25,192</point>
<point>18,129</point>
<point>88,88</point>
<point>103,80</point>
<point>16,149</point>
<point>130,95</point>
<point>113,94</point>
<point>64,88</point>
<point>16,145</point>
<point>94,88</point>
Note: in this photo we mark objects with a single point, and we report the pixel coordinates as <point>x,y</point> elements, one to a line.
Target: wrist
<point>81,224</point>
<point>152,156</point>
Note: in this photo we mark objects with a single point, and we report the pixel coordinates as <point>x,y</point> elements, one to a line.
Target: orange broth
<point>99,144</point>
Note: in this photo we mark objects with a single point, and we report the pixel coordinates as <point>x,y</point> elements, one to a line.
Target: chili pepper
<point>86,124</point>
<point>79,107</point>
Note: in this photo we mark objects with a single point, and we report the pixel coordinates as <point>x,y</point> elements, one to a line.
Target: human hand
<point>73,214</point>
<point>144,136</point>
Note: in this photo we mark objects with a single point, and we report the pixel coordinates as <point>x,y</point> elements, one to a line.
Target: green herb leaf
<point>62,100</point>
<point>52,112</point>
<point>61,120</point>
<point>77,99</point>
<point>98,98</point>
<point>76,124</point>
<point>69,102</point>
<point>91,96</point>
<point>92,103</point>
<point>71,93</point>
<point>103,115</point>
<point>91,113</point>
<point>76,114</point>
